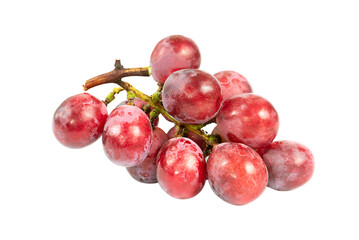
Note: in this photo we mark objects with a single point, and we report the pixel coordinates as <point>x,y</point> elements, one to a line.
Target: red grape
<point>249,119</point>
<point>216,131</point>
<point>290,164</point>
<point>139,103</point>
<point>127,136</point>
<point>236,173</point>
<point>79,120</point>
<point>232,83</point>
<point>191,135</point>
<point>146,171</point>
<point>174,53</point>
<point>181,168</point>
<point>165,117</point>
<point>192,96</point>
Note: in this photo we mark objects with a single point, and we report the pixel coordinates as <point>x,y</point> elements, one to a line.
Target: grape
<point>191,135</point>
<point>181,168</point>
<point>173,53</point>
<point>249,119</point>
<point>139,103</point>
<point>232,83</point>
<point>127,136</point>
<point>163,115</point>
<point>79,120</point>
<point>146,171</point>
<point>216,131</point>
<point>192,96</point>
<point>236,173</point>
<point>290,164</point>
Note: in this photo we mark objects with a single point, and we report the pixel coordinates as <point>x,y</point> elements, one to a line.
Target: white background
<point>303,56</point>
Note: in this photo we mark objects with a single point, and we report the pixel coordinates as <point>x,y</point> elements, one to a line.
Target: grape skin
<point>79,120</point>
<point>181,168</point>
<point>232,83</point>
<point>216,131</point>
<point>127,136</point>
<point>236,173</point>
<point>146,171</point>
<point>192,96</point>
<point>249,119</point>
<point>191,135</point>
<point>174,53</point>
<point>290,164</point>
<point>139,103</point>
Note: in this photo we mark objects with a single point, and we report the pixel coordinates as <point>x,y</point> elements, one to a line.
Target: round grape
<point>181,168</point>
<point>192,96</point>
<point>249,119</point>
<point>174,53</point>
<point>127,136</point>
<point>232,83</point>
<point>146,171</point>
<point>79,120</point>
<point>290,164</point>
<point>236,173</point>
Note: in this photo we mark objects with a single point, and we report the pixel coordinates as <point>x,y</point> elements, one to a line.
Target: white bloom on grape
<point>224,163</point>
<point>206,88</point>
<point>191,161</point>
<point>263,114</point>
<point>114,130</point>
<point>233,175</point>
<point>299,160</point>
<point>171,161</point>
<point>136,131</point>
<point>250,168</point>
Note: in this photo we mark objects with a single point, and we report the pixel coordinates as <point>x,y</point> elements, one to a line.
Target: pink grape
<point>192,96</point>
<point>146,171</point>
<point>191,135</point>
<point>290,164</point>
<point>216,131</point>
<point>232,83</point>
<point>165,117</point>
<point>236,173</point>
<point>79,120</point>
<point>173,53</point>
<point>249,119</point>
<point>139,103</point>
<point>127,136</point>
<point>181,168</point>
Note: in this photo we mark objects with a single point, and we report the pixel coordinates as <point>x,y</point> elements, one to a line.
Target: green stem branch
<point>111,96</point>
<point>157,105</point>
<point>116,75</point>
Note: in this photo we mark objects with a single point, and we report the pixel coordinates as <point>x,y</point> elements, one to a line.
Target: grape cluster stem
<point>116,75</point>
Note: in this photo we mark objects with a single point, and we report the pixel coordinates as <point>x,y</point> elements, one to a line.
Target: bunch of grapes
<point>239,158</point>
